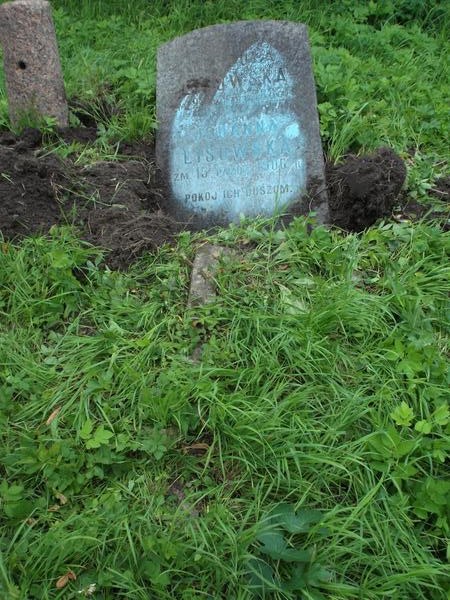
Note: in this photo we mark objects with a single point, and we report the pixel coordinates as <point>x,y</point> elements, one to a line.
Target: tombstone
<point>32,67</point>
<point>238,129</point>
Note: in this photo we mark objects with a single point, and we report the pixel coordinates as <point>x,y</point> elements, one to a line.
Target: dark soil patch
<point>441,189</point>
<point>410,210</point>
<point>31,189</point>
<point>413,211</point>
<point>123,214</point>
<point>81,135</point>
<point>117,205</point>
<point>364,188</point>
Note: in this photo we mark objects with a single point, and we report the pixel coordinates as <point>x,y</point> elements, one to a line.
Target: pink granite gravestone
<point>34,81</point>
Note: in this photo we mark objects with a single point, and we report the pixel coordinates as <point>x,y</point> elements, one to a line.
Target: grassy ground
<point>381,69</point>
<point>305,456</point>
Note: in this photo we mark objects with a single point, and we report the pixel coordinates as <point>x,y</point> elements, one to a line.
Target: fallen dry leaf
<point>53,416</point>
<point>64,580</point>
<point>62,499</point>
<point>199,448</point>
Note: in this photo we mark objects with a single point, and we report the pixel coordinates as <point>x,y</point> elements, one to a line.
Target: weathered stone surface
<point>205,266</point>
<point>203,289</point>
<point>31,61</point>
<point>238,129</point>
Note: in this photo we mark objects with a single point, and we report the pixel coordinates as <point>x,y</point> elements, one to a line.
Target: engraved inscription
<point>241,152</point>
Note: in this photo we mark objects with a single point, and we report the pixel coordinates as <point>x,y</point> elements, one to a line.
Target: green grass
<point>322,353</point>
<point>381,71</point>
<point>379,81</point>
<point>304,457</point>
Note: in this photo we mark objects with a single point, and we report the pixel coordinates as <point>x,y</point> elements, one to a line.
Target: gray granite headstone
<point>238,129</point>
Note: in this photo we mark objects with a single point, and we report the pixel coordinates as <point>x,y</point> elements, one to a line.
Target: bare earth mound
<point>119,205</point>
<point>30,187</point>
<point>115,205</point>
<point>364,188</point>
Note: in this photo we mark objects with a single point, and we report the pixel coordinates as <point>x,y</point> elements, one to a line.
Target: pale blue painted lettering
<point>247,141</point>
